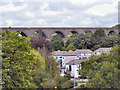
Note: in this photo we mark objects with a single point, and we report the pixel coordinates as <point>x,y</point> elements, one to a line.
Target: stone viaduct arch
<point>22,34</point>
<point>64,31</point>
<point>43,34</point>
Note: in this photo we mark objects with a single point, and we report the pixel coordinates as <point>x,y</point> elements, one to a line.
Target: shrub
<point>49,84</point>
<point>60,80</point>
<point>68,76</point>
<point>69,84</point>
<point>82,85</point>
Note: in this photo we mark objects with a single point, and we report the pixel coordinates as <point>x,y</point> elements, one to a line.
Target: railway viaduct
<point>63,31</point>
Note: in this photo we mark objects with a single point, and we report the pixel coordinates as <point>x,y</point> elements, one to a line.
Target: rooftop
<point>103,50</point>
<point>75,61</point>
<point>70,53</point>
<point>79,51</point>
<point>57,53</point>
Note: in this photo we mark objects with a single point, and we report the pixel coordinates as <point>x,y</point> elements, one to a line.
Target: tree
<point>116,26</point>
<point>110,41</point>
<point>70,47</point>
<point>20,61</point>
<point>57,42</point>
<point>44,47</point>
<point>83,70</point>
<point>40,42</point>
<point>81,41</point>
<point>103,70</point>
<point>97,38</point>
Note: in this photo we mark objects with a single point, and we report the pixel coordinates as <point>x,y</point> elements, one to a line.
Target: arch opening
<point>60,33</point>
<point>37,34</point>
<point>111,33</point>
<point>87,32</point>
<point>74,32</point>
<point>22,34</point>
<point>119,33</point>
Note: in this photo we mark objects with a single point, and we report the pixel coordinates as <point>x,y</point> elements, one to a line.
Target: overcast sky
<point>62,13</point>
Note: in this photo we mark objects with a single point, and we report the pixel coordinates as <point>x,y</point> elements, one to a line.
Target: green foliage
<point>44,47</point>
<point>39,62</point>
<point>97,38</point>
<point>83,70</point>
<point>81,41</point>
<point>110,41</point>
<point>103,70</point>
<point>41,78</point>
<point>70,47</point>
<point>39,33</point>
<point>57,42</point>
<point>68,76</point>
<point>99,33</point>
<point>60,81</point>
<point>69,84</point>
<point>20,61</point>
<point>49,84</point>
<point>117,26</point>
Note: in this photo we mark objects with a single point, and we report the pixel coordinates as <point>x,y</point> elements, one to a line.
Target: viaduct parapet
<point>64,31</point>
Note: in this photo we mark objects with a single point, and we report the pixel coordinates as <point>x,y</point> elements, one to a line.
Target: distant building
<point>59,56</point>
<point>100,50</point>
<point>73,67</point>
<point>71,61</point>
<point>64,57</point>
<point>83,53</point>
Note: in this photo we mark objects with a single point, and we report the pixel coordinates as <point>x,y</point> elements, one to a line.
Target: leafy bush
<point>60,80</point>
<point>49,84</point>
<point>67,76</point>
<point>69,84</point>
<point>41,78</point>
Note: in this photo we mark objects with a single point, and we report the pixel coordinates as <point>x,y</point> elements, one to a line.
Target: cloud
<point>102,9</point>
<point>29,14</point>
<point>68,13</point>
<point>87,2</point>
<point>11,7</point>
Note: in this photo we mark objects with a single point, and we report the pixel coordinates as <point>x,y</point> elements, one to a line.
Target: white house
<point>83,53</point>
<point>64,57</point>
<point>73,67</point>
<point>59,56</point>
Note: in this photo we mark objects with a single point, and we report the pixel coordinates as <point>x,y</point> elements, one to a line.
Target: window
<point>61,63</point>
<point>70,68</point>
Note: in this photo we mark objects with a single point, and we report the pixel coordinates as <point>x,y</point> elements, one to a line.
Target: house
<point>100,50</point>
<point>63,57</point>
<point>59,56</point>
<point>70,55</point>
<point>83,53</point>
<point>73,66</point>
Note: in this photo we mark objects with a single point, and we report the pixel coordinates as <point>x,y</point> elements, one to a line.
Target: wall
<point>65,31</point>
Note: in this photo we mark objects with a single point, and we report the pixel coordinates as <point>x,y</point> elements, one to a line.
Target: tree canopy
<point>19,61</point>
<point>104,70</point>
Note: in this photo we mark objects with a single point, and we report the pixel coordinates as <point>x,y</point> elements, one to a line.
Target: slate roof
<point>75,61</point>
<point>83,51</point>
<point>59,53</point>
<point>107,50</point>
<point>70,53</point>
